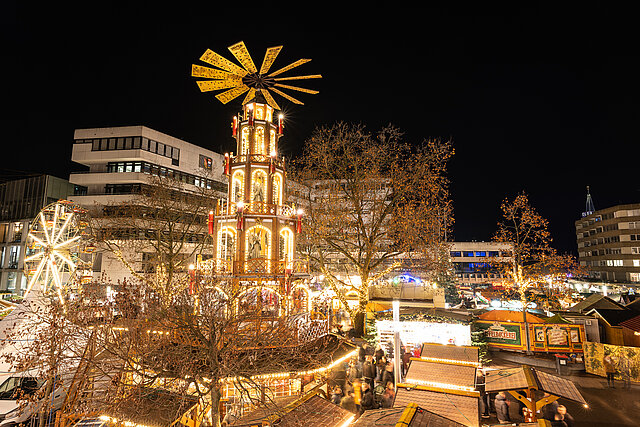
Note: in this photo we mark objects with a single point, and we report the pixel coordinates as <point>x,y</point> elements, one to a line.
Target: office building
<point>609,243</point>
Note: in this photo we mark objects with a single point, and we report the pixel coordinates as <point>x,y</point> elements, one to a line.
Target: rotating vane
<point>58,254</point>
<point>247,78</point>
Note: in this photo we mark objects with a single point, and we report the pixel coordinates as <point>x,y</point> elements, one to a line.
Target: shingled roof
<point>411,416</point>
<point>527,377</point>
<point>438,372</point>
<point>458,406</point>
<point>633,323</point>
<point>596,301</point>
<point>450,352</point>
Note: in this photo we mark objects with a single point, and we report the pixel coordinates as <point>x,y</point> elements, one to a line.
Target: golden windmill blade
<point>210,57</point>
<point>299,89</point>
<point>210,73</point>
<point>242,78</point>
<point>269,57</point>
<point>239,50</point>
<point>210,85</point>
<point>312,76</point>
<point>298,63</point>
<point>250,95</point>
<point>289,97</point>
<point>269,99</point>
<point>232,94</point>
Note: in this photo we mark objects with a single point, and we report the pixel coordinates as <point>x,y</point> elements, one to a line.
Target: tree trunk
<point>215,407</point>
<point>359,324</point>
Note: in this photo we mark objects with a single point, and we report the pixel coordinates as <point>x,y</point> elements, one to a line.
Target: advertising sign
<point>502,334</point>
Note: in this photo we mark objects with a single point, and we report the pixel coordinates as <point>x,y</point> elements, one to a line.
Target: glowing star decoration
<point>245,77</point>
<point>55,248</point>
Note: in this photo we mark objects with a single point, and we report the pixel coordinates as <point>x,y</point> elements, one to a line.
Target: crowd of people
<point>367,382</point>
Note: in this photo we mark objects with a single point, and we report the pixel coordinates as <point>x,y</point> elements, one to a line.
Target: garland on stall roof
<point>421,317</point>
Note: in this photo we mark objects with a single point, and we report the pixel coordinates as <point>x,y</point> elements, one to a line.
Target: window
<point>136,142</point>
<point>128,143</point>
<point>14,256</point>
<point>635,237</point>
<point>636,262</point>
<point>455,254</point>
<point>17,231</point>
<point>481,254</point>
<point>468,253</point>
<point>635,250</point>
<point>12,278</point>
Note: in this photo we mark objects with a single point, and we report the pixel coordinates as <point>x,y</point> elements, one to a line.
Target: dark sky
<point>538,98</point>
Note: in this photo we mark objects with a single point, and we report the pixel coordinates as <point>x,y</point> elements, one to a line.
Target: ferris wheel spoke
<point>31,235</point>
<point>55,221</point>
<point>37,274</point>
<point>66,242</point>
<point>34,256</point>
<point>64,226</point>
<point>70,263</point>
<point>56,275</point>
<point>44,227</point>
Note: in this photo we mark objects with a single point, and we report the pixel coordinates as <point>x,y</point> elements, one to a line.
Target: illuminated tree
<point>534,264</point>
<point>370,200</point>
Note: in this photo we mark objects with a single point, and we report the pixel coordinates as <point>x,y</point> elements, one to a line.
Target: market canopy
<point>556,318</point>
<point>411,416</point>
<point>526,377</point>
<point>509,316</point>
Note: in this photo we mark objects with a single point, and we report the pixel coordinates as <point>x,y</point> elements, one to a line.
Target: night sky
<point>538,99</point>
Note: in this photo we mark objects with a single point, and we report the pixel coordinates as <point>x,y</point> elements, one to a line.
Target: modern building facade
<point>609,243</point>
<point>121,161</point>
<point>472,262</point>
<point>20,202</point>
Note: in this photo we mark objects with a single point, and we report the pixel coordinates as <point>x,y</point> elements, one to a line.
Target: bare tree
<point>534,262</point>
<point>369,200</point>
<point>158,233</point>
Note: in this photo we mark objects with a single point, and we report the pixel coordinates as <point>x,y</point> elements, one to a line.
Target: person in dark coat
<point>502,408</point>
<point>550,410</point>
<point>368,371</point>
<point>348,402</point>
<point>387,375</point>
<point>558,421</point>
<point>484,397</point>
<point>566,417</point>
<point>368,401</point>
<point>406,360</point>
<point>336,395</point>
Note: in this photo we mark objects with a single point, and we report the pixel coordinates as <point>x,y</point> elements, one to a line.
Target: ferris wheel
<point>59,253</point>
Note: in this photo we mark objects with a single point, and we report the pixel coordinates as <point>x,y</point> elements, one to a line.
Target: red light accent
<point>210,222</point>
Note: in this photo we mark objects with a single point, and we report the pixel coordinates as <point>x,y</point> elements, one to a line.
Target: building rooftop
<point>613,317</point>
<point>461,407</point>
<point>596,301</point>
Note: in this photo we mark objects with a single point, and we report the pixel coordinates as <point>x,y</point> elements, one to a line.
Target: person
<point>368,371</point>
<point>558,421</point>
<point>625,372</point>
<point>336,395</point>
<point>484,402</point>
<point>348,402</point>
<point>610,370</point>
<point>387,396</point>
<point>406,361</point>
<point>367,402</point>
<point>387,374</point>
<point>549,410</point>
<point>566,417</point>
<point>352,372</point>
<point>502,408</point>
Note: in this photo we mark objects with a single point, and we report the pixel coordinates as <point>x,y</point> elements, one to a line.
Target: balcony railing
<point>257,158</point>
<point>261,208</point>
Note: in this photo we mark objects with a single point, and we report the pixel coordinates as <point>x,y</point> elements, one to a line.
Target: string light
<point>435,384</point>
<point>448,361</point>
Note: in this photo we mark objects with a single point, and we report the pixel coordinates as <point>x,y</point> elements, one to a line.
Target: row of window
<point>482,254</point>
<point>11,232</point>
<point>12,253</point>
<point>133,143</point>
<point>118,167</point>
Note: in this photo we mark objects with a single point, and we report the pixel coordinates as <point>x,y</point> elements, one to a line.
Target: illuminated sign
<point>206,162</point>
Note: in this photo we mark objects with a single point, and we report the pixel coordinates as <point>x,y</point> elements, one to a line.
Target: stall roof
<point>596,301</point>
<point>509,316</point>
<point>411,416</point>
<point>556,318</point>
<point>435,372</point>
<point>460,407</point>
<point>613,317</point>
<point>450,352</point>
<point>633,323</point>
<point>528,377</point>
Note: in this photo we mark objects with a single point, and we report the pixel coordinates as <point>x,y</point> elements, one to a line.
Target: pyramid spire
<point>589,208</point>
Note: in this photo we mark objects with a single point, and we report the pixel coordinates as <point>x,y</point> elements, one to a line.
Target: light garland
<point>289,374</point>
<point>445,386</point>
<point>448,361</point>
<point>119,422</point>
